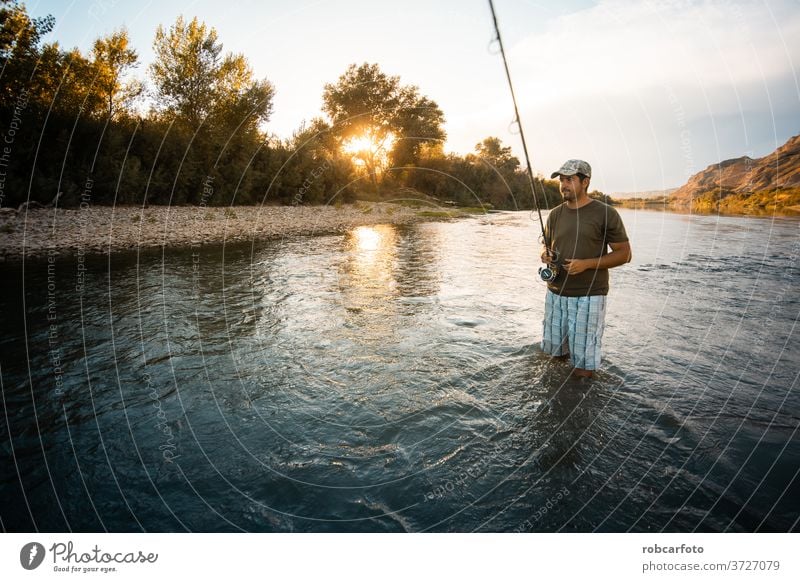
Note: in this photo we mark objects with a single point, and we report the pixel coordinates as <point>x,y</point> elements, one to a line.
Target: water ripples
<point>389,380</point>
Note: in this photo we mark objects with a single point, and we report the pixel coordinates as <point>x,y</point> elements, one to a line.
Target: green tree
<point>325,172</point>
<point>491,151</point>
<point>211,102</point>
<point>20,38</point>
<point>195,83</point>
<point>113,58</point>
<point>420,122</point>
<point>391,121</point>
<point>495,174</point>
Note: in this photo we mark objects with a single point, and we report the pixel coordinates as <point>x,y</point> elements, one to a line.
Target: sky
<point>648,92</point>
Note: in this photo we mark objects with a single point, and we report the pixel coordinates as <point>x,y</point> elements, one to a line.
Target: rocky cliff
<point>767,182</point>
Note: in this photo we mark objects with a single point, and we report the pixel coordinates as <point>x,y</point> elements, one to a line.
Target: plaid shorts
<point>574,325</point>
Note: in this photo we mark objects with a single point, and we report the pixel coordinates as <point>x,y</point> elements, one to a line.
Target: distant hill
<point>747,185</point>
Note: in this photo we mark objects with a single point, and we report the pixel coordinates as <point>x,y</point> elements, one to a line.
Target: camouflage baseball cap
<point>572,167</point>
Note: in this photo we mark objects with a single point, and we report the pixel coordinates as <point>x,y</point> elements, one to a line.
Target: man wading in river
<point>579,231</point>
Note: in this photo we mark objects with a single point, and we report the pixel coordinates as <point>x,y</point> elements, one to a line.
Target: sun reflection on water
<point>368,238</point>
<point>372,254</point>
<point>367,280</point>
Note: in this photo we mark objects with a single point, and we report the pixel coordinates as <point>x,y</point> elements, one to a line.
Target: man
<point>579,232</point>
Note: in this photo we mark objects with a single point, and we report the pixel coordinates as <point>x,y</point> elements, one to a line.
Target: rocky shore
<point>103,229</point>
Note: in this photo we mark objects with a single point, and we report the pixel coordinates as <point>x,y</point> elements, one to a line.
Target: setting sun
<point>368,148</point>
<point>359,144</point>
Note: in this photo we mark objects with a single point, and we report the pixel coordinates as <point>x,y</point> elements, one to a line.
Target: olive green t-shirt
<point>583,233</point>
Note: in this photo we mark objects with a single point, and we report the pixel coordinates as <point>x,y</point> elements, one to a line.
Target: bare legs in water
<point>578,372</point>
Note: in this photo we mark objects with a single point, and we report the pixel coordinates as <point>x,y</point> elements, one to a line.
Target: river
<point>390,379</point>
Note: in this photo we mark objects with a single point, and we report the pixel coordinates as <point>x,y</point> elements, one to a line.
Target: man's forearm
<point>611,260</point>
<point>619,255</point>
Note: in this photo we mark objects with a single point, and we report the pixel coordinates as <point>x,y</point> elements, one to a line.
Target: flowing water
<point>390,379</point>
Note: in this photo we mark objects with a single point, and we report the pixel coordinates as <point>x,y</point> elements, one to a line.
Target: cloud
<point>618,47</point>
<point>627,85</point>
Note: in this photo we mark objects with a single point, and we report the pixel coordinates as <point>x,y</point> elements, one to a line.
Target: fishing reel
<point>550,272</point>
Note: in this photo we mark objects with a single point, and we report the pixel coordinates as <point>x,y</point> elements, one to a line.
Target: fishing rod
<point>550,272</point>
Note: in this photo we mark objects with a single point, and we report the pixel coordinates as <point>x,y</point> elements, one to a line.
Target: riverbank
<point>104,229</point>
<point>786,211</point>
<point>785,202</point>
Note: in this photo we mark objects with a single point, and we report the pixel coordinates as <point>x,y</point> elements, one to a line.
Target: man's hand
<point>619,255</point>
<point>547,258</point>
<point>575,266</point>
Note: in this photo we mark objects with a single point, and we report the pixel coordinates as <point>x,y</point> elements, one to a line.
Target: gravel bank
<point>104,229</point>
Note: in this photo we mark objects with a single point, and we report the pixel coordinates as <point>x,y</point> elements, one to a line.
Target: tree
<point>20,37</point>
<point>213,105</point>
<point>195,83</point>
<point>495,174</point>
<point>367,105</point>
<point>112,59</point>
<point>20,34</point>
<point>420,121</point>
<point>64,82</point>
<point>491,150</point>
